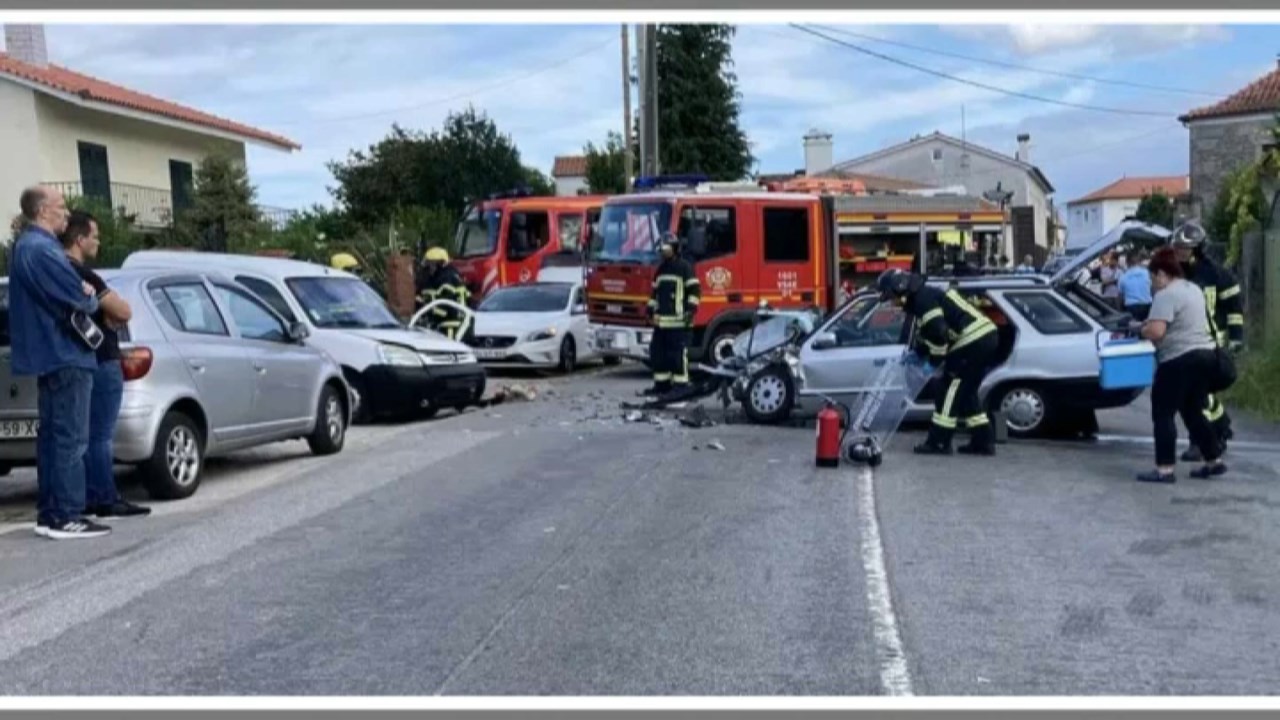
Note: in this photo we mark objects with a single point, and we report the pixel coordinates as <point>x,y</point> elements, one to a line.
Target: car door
<point>285,372</point>
<point>868,334</point>
<point>19,409</point>
<point>216,361</point>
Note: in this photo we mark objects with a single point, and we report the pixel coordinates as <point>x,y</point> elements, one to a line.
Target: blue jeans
<point>104,411</point>
<point>62,442</point>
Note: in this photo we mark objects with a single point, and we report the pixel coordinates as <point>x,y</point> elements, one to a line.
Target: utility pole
<point>647,64</point>
<point>627,161</point>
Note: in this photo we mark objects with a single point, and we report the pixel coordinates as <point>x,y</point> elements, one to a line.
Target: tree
<point>1156,208</point>
<point>223,215</point>
<point>538,183</point>
<point>606,166</point>
<point>699,104</point>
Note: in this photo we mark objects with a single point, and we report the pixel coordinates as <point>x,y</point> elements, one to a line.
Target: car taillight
<point>136,363</point>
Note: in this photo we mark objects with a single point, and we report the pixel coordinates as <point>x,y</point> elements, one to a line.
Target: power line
<point>981,85</point>
<point>1014,66</point>
<point>470,93</point>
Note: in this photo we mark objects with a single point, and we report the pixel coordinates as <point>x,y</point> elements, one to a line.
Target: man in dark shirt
<point>102,499</point>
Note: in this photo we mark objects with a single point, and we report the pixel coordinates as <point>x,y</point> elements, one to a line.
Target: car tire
<point>176,465</point>
<point>721,343</point>
<point>1028,409</point>
<point>428,413</point>
<point>770,396</point>
<point>568,355</point>
<point>330,432</point>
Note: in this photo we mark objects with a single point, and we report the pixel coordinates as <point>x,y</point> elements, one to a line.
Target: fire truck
<point>749,244</point>
<point>503,240</point>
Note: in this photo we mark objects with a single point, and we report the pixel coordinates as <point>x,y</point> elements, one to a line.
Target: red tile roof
<point>1136,187</point>
<point>64,80</point>
<point>1260,96</point>
<point>570,166</point>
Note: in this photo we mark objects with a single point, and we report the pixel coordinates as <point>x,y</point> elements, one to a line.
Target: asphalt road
<point>552,548</point>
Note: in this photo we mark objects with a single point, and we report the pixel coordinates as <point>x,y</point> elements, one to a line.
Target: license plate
<point>488,354</point>
<point>614,309</point>
<point>604,340</point>
<point>18,429</point>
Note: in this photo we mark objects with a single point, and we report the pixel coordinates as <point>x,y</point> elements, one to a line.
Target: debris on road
<point>696,417</point>
<point>634,416</point>
<point>715,445</point>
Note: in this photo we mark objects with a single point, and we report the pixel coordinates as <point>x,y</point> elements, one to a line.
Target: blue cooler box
<point>1127,363</point>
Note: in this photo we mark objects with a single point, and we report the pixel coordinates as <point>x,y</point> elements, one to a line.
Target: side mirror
<point>298,332</point>
<point>580,309</point>
<point>825,341</point>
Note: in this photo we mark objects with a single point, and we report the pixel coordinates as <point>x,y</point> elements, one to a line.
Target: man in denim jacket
<point>44,291</point>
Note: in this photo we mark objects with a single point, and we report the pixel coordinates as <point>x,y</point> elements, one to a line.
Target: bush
<point>1258,386</point>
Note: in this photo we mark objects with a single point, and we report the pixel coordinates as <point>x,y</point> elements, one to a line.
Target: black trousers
<point>957,403</point>
<point>669,356</point>
<point>1179,390</point>
<point>1139,312</point>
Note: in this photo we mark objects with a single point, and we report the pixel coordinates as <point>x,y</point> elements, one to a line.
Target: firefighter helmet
<point>343,261</point>
<point>437,254</point>
<point>893,283</point>
<point>1189,234</point>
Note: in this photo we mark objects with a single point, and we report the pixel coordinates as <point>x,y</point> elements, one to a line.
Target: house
<point>86,136</point>
<point>1090,217</point>
<point>1230,134</point>
<point>940,160</point>
<point>570,175</point>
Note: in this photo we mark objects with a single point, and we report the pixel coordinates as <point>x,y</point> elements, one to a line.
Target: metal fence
<point>145,207</point>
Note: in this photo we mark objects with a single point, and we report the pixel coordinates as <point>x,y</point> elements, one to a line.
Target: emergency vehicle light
<point>522,191</point>
<point>652,182</point>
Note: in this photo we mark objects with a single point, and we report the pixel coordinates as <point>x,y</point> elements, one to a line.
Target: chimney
<point>818,154</point>
<point>1024,148</point>
<point>26,43</point>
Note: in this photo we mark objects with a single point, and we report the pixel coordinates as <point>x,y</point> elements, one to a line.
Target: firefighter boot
<point>937,443</point>
<point>982,441</point>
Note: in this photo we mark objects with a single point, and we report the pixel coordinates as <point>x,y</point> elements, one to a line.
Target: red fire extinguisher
<point>830,436</point>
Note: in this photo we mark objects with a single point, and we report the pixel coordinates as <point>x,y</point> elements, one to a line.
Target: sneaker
<point>42,528</point>
<point>76,529</point>
<point>119,509</point>
<point>1208,472</point>
<point>1155,476</point>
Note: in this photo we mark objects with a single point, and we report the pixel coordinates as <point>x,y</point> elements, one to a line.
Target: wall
<point>569,186</point>
<point>19,155</point>
<point>1089,221</point>
<point>1219,146</point>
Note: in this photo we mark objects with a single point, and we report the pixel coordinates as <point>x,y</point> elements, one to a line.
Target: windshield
<point>773,331</point>
<point>529,298</point>
<point>477,234</point>
<point>629,232</point>
<point>333,302</point>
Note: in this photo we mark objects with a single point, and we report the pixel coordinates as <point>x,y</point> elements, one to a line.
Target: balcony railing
<point>152,208</point>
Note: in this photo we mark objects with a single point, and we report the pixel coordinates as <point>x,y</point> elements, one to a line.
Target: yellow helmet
<point>343,261</point>
<point>437,254</point>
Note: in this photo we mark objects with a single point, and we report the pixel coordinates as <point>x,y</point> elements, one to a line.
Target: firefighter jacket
<point>946,322</point>
<point>445,284</point>
<point>676,294</point>
<point>1222,299</point>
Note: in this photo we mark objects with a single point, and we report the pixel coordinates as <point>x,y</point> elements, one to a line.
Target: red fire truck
<point>748,245</point>
<point>502,241</point>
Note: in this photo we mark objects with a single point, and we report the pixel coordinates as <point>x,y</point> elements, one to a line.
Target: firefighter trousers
<point>1216,413</point>
<point>957,404</point>
<point>669,356</point>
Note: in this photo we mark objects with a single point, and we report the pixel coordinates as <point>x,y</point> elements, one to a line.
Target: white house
<point>940,160</point>
<point>90,137</point>
<point>1090,217</point>
<point>570,175</point>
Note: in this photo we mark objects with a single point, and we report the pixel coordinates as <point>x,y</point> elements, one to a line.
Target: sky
<point>333,88</point>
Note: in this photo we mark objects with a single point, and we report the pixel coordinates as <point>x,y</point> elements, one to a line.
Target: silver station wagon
<point>209,368</point>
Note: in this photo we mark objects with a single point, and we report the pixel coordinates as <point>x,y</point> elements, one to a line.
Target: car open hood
<point>1129,231</point>
<point>516,323</point>
<point>418,339</point>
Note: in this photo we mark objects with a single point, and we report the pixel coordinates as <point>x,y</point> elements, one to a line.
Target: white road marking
<point>895,675</point>
<point>1182,442</point>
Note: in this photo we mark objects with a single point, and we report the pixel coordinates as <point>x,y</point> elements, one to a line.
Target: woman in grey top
<point>1179,327</point>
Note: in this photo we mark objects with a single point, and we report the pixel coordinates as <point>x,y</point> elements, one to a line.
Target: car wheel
<point>1027,409</point>
<point>568,355</point>
<point>176,464</point>
<point>720,347</point>
<point>770,395</point>
<point>330,432</point>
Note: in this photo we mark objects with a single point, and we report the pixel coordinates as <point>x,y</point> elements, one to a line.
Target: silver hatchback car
<point>209,368</point>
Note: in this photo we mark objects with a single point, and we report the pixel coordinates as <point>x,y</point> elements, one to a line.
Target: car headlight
<point>399,355</point>
<point>545,334</point>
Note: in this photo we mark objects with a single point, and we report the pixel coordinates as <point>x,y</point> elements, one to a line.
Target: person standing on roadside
<point>1028,266</point>
<point>102,498</point>
<point>1109,279</point>
<point>44,292</point>
<point>1135,287</point>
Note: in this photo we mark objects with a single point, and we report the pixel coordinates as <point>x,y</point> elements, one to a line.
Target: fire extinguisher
<point>830,436</point>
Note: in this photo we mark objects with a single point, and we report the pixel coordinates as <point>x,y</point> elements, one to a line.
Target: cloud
<point>1033,39</point>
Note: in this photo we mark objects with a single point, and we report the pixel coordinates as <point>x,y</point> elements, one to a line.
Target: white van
<point>395,370</point>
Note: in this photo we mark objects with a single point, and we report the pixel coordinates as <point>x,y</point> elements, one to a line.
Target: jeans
<point>1179,389</point>
<point>104,411</point>
<point>61,443</point>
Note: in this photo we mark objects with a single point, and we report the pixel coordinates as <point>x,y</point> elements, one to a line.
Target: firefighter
<point>347,263</point>
<point>955,335</point>
<point>672,304</point>
<point>441,281</point>
<point>1223,304</point>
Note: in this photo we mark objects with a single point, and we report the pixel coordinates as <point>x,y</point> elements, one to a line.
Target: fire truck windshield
<point>629,232</point>
<point>477,235</point>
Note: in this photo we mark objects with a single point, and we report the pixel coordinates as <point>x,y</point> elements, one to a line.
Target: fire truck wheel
<point>720,347</point>
<point>770,395</point>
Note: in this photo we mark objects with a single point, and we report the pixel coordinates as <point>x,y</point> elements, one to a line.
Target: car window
<point>1046,313</point>
<point>868,322</point>
<point>268,292</point>
<point>529,233</point>
<point>579,297</point>
<point>253,318</point>
<point>786,234</point>
<point>570,232</point>
<point>708,232</point>
<point>190,309</point>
